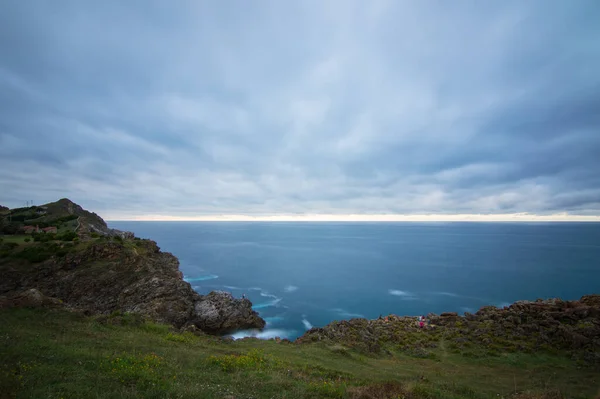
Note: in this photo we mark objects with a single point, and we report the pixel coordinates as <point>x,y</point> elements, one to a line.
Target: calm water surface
<point>302,274</point>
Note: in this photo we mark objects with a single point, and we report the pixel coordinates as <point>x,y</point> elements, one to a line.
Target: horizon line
<point>513,217</point>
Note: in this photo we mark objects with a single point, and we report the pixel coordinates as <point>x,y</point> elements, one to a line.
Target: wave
<point>290,288</point>
<point>399,293</point>
<point>307,324</point>
<point>347,314</point>
<point>267,295</point>
<point>273,320</point>
<point>452,294</point>
<point>404,295</point>
<point>201,278</point>
<point>267,304</point>
<point>231,287</point>
<point>265,334</point>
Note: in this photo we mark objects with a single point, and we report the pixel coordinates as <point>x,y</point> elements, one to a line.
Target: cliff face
<point>106,275</point>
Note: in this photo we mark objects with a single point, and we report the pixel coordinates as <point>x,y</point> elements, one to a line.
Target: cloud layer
<point>290,108</point>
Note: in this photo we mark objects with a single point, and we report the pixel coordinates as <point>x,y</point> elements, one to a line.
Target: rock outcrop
<point>101,276</point>
<point>29,298</point>
<point>523,326</point>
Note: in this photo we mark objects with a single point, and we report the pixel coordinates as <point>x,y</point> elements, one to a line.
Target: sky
<point>315,110</point>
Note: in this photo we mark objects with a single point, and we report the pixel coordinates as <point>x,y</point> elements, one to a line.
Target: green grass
<point>57,354</point>
<point>16,238</point>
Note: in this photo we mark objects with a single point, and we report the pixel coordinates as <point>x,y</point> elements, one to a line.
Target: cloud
<point>311,108</point>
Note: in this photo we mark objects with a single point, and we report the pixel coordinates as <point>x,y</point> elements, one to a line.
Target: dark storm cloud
<point>198,108</point>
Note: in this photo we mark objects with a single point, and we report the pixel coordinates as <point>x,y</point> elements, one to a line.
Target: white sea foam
<point>267,295</point>
<point>404,295</point>
<point>399,293</point>
<point>264,334</point>
<point>267,304</point>
<point>231,287</point>
<point>347,314</point>
<point>273,320</point>
<point>452,294</point>
<point>201,278</point>
<point>307,324</point>
<point>290,288</point>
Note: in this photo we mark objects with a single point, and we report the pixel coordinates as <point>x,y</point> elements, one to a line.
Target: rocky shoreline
<point>111,276</point>
<point>104,271</point>
<point>529,326</point>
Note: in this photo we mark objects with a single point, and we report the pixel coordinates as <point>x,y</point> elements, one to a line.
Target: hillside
<point>99,271</point>
<point>52,353</point>
<point>63,214</point>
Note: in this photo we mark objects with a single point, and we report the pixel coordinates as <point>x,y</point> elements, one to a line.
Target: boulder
<point>31,298</point>
<point>219,312</point>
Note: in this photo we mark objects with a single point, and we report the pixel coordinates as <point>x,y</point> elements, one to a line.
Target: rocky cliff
<point>109,274</point>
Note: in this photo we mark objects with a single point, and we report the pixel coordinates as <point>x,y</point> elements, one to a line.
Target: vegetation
<point>58,354</point>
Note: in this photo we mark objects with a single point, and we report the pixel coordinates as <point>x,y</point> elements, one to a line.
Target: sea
<point>300,275</point>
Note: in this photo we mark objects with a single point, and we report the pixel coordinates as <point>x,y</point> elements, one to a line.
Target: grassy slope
<point>56,354</point>
<point>17,238</point>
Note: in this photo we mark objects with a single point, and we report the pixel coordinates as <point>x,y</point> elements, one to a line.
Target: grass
<point>16,238</point>
<point>57,354</point>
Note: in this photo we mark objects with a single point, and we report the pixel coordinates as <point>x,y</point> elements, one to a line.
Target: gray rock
<point>111,276</point>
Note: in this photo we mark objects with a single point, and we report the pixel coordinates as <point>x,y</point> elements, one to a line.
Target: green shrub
<point>27,239</point>
<point>9,246</point>
<point>328,389</point>
<point>67,236</point>
<point>42,251</point>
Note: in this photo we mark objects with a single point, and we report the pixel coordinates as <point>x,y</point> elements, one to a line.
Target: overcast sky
<point>204,108</point>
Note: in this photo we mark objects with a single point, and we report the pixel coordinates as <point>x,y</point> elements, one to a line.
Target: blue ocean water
<point>304,274</point>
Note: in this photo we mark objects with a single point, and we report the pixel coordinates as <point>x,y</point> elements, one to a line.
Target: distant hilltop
<point>63,215</point>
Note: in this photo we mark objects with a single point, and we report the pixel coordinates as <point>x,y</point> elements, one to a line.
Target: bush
<point>27,239</point>
<point>41,252</point>
<point>8,246</point>
<point>328,389</point>
<point>10,228</point>
<point>43,237</point>
<point>67,236</point>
